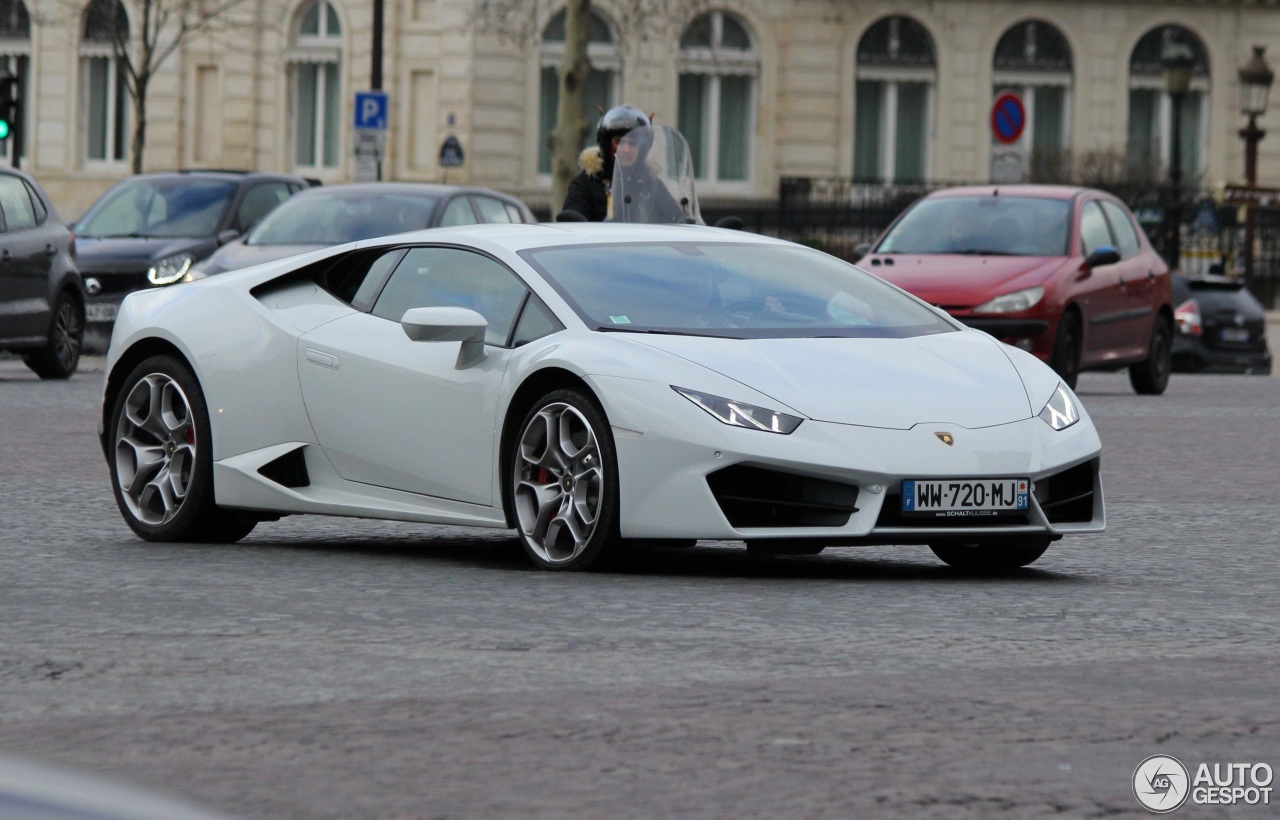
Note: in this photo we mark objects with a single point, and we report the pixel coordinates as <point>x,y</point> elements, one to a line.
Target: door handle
<point>49,249</point>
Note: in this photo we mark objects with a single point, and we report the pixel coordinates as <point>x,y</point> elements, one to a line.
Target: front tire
<point>563,488</point>
<point>1066,349</point>
<point>162,460</point>
<point>1150,376</point>
<point>60,357</point>
<point>993,556</point>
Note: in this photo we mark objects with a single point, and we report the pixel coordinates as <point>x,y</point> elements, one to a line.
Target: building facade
<point>881,91</point>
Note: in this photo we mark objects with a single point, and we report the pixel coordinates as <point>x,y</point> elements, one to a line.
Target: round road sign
<point>1008,119</point>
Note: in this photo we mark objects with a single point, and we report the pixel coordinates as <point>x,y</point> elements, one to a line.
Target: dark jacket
<point>588,193</point>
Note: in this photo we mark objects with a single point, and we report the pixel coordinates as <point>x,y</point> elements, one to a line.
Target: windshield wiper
<point>984,252</point>
<point>660,332</point>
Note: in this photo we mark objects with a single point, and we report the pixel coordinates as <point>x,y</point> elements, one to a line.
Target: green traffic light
<point>4,129</point>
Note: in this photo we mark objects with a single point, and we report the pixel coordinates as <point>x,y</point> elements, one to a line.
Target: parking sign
<point>371,110</point>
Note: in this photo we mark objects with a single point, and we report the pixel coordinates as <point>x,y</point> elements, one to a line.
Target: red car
<point>1064,273</point>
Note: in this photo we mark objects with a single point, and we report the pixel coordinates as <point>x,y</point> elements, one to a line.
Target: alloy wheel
<point>66,336</point>
<point>155,449</point>
<point>559,483</point>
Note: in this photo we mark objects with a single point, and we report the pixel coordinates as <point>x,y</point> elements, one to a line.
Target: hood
<point>237,255</point>
<point>962,378</point>
<point>136,253</point>
<point>959,281</point>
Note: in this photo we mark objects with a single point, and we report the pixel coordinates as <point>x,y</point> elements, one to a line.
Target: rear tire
<point>991,556</point>
<point>162,460</point>
<point>1150,376</point>
<point>61,356</point>
<point>1066,349</point>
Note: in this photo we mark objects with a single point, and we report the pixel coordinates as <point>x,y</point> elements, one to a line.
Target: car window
<point>331,216</point>
<point>37,203</point>
<point>1094,233</point>
<point>535,322</point>
<point>258,202</point>
<point>163,206</point>
<point>458,212</point>
<point>981,225</point>
<point>1122,226</point>
<point>491,210</point>
<point>16,204</point>
<point>514,212</point>
<point>373,278</point>
<point>449,277</point>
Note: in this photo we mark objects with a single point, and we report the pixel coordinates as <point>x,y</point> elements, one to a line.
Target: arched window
<point>15,57</point>
<point>602,82</point>
<point>105,92</point>
<point>718,69</point>
<point>1151,109</point>
<point>315,84</point>
<point>893,116</point>
<point>1033,61</point>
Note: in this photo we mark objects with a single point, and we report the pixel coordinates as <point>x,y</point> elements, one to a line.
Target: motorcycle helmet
<point>616,122</point>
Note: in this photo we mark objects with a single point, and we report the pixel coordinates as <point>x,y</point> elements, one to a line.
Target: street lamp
<point>1255,87</point>
<point>1177,59</point>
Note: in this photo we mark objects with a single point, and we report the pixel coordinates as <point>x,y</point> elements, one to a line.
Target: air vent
<point>758,497</point>
<point>289,470</point>
<point>1067,497</point>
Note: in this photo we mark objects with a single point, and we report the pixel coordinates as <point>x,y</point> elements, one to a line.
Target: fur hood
<point>591,161</point>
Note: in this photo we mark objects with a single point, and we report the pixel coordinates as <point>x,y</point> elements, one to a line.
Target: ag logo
<point>1161,784</point>
<point>946,438</point>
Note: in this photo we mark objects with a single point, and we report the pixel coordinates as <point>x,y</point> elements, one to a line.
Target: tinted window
<point>1002,225</point>
<point>16,204</point>
<point>1123,228</point>
<point>1094,233</point>
<point>448,277</point>
<point>535,322</point>
<point>458,213</point>
<point>492,210</point>
<point>730,291</point>
<point>36,202</point>
<point>258,202</point>
<point>159,207</point>
<point>334,216</point>
<point>371,281</point>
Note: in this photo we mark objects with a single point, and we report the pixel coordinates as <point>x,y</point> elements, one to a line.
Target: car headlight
<point>740,414</point>
<point>1060,413</point>
<point>194,275</point>
<point>1012,302</point>
<point>170,269</point>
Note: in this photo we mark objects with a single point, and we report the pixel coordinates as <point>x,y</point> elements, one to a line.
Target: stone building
<point>897,91</point>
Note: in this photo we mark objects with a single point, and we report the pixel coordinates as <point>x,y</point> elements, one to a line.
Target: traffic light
<point>9,104</point>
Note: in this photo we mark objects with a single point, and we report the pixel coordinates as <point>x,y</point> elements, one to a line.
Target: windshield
<point>165,207</point>
<point>333,217</point>
<point>984,225</point>
<point>727,290</point>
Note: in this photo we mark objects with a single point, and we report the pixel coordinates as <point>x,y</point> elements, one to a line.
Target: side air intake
<point>758,497</point>
<point>289,470</point>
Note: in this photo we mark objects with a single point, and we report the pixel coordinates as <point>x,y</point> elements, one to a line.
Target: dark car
<point>1222,328</point>
<point>1064,273</point>
<point>42,298</point>
<point>148,230</point>
<point>345,213</point>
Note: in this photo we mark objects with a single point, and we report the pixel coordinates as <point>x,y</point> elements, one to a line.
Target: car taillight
<point>1187,315</point>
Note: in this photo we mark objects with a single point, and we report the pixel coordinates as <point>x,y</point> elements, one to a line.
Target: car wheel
<point>784,546</point>
<point>1066,349</point>
<point>162,461</point>
<point>61,356</point>
<point>564,483</point>
<point>992,556</point>
<point>1150,376</point>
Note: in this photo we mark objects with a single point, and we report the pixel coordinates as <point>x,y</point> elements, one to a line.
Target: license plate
<point>101,311</point>
<point>1235,334</point>
<point>962,498</point>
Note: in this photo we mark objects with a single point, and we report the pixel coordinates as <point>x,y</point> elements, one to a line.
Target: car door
<point>1102,301</point>
<point>26,257</point>
<point>1138,286</point>
<point>397,413</point>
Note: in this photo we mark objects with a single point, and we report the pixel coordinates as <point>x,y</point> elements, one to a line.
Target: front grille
<point>289,470</point>
<point>758,497</point>
<point>119,283</point>
<point>1067,497</point>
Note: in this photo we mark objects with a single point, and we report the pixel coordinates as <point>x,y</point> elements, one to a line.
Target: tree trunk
<point>139,126</point>
<point>571,126</point>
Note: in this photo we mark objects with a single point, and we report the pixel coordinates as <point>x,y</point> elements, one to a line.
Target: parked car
<point>1222,328</point>
<point>503,376</point>
<point>148,230</point>
<point>345,213</point>
<point>1064,273</point>
<point>42,298</point>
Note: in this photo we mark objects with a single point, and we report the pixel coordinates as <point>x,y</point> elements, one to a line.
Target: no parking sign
<point>1008,119</point>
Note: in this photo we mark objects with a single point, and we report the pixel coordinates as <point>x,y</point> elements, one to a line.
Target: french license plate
<point>1235,334</point>
<point>965,498</point>
<point>101,311</point>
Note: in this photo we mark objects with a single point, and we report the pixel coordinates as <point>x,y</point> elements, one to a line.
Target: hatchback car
<point>345,213</point>
<point>148,230</point>
<point>1062,272</point>
<point>1222,328</point>
<point>42,298</point>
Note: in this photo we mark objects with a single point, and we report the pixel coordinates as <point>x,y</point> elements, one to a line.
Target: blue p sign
<point>371,110</point>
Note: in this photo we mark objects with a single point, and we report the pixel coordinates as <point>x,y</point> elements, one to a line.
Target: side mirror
<point>732,223</point>
<point>1106,255</point>
<point>448,324</point>
<point>226,236</point>
<point>570,215</point>
<point>860,250</point>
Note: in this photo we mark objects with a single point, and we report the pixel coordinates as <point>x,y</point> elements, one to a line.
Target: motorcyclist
<point>588,193</point>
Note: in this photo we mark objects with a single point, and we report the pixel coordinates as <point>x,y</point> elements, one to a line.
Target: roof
<point>517,236</point>
<point>1021,189</point>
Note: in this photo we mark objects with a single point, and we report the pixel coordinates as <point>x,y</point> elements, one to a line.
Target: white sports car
<point>590,385</point>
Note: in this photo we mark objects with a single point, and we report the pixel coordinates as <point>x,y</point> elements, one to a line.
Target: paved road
<point>338,668</point>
